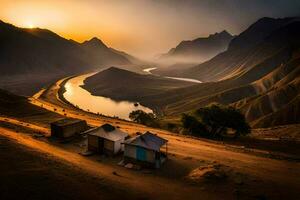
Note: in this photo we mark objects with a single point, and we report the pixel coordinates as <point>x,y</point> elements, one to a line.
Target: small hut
<point>146,150</point>
<point>67,127</point>
<point>106,139</point>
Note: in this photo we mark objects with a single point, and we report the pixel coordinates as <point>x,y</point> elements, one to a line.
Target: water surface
<point>80,97</point>
<point>148,71</point>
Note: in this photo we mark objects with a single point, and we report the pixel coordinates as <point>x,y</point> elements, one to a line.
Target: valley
<point>256,169</point>
<point>215,117</point>
<point>261,78</point>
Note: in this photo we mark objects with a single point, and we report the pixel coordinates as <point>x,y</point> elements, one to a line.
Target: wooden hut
<point>106,139</point>
<point>67,127</point>
<point>146,150</point>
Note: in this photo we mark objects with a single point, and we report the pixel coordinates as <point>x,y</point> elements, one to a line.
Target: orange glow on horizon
<point>78,21</point>
<point>139,27</point>
<point>114,22</point>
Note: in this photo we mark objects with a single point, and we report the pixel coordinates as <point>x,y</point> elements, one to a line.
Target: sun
<point>30,25</point>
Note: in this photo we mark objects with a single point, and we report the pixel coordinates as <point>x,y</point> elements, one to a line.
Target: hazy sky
<point>142,27</point>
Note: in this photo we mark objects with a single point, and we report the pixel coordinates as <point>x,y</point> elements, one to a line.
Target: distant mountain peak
<point>95,39</point>
<point>94,42</point>
<point>222,34</point>
<point>200,49</point>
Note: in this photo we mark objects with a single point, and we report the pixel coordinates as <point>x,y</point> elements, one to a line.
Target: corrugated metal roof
<point>109,134</point>
<point>147,140</point>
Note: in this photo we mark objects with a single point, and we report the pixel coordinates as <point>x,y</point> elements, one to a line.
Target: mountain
<point>121,84</point>
<point>259,74</point>
<point>245,51</point>
<point>100,54</point>
<point>32,58</point>
<point>200,49</point>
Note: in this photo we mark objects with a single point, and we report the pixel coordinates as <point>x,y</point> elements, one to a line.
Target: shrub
<point>144,118</point>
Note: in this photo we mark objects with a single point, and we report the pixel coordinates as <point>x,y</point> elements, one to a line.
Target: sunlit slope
<point>278,99</point>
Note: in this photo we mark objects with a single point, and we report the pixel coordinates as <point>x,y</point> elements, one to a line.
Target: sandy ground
<point>248,176</point>
<point>27,173</point>
<point>248,173</point>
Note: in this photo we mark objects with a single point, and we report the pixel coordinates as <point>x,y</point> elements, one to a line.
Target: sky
<point>143,28</point>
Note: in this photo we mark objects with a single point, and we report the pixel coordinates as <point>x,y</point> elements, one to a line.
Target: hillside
<point>259,74</point>
<point>198,50</point>
<point>125,85</point>
<point>263,82</point>
<point>32,58</point>
<point>18,107</point>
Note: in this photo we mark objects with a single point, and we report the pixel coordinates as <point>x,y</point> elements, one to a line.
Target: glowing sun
<point>30,25</point>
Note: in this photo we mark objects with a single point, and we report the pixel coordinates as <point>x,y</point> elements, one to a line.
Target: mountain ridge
<point>36,57</point>
<point>261,80</point>
<point>199,49</point>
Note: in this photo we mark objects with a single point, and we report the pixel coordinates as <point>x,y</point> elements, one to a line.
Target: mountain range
<point>258,74</point>
<point>198,50</point>
<point>35,57</point>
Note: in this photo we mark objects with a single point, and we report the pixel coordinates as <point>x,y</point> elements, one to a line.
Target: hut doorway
<point>141,154</point>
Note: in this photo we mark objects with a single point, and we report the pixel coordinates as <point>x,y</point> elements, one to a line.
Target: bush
<point>144,118</point>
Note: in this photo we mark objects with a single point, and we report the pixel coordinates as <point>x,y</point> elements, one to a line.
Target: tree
<point>142,117</point>
<point>237,121</point>
<point>193,125</point>
<point>219,118</point>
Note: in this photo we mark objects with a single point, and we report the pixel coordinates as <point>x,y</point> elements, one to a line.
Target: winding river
<point>148,71</point>
<point>84,100</point>
<point>80,97</point>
